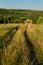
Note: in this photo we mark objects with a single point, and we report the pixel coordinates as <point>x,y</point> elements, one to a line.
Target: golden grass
<point>35,35</point>
<point>17,46</point>
<point>17,51</point>
<point>6,27</point>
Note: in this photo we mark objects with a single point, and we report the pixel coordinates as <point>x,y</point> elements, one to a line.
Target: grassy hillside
<point>21,44</point>
<point>19,16</point>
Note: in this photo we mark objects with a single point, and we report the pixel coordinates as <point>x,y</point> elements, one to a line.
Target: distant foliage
<point>19,16</point>
<point>40,20</point>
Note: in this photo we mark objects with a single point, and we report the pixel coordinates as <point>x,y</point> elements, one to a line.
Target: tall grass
<point>24,44</point>
<point>35,35</point>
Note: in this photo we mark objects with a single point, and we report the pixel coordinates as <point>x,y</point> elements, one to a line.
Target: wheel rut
<point>6,41</point>
<point>32,57</point>
<point>8,37</point>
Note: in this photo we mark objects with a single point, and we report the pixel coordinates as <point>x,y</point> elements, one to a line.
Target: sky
<point>22,4</point>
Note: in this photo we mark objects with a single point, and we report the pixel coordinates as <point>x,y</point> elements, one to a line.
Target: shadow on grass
<point>5,41</point>
<point>32,54</point>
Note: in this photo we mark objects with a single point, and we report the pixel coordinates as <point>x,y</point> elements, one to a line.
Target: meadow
<point>21,44</point>
<point>21,37</point>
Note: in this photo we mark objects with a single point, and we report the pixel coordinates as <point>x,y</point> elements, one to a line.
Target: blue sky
<point>22,4</point>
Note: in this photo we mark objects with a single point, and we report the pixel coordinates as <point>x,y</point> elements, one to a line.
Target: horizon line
<point>22,9</point>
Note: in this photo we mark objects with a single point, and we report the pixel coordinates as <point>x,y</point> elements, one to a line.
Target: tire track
<point>32,57</point>
<point>6,41</point>
<point>8,37</point>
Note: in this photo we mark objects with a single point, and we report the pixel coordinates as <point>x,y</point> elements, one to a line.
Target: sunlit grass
<point>17,52</point>
<point>35,35</point>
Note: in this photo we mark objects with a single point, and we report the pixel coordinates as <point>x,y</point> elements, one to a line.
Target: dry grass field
<point>21,44</point>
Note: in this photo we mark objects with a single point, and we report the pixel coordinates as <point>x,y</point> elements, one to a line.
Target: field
<point>21,44</point>
<point>20,16</point>
<point>21,37</point>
